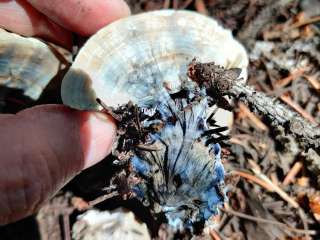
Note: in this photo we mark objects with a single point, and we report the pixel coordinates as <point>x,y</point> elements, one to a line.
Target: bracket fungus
<point>168,138</point>
<point>29,64</point>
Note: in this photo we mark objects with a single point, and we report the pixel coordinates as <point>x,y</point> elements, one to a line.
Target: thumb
<point>44,147</point>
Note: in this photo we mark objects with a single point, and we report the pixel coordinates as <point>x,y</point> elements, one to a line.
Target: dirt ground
<point>276,183</point>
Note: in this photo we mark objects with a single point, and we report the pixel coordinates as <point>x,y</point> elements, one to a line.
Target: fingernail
<point>98,134</point>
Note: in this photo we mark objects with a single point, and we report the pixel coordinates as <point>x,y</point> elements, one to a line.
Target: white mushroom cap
<point>133,57</point>
<point>27,63</point>
<point>101,225</point>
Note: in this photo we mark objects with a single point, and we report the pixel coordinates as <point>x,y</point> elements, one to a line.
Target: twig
<point>186,3</point>
<point>262,220</point>
<point>175,4</point>
<point>166,4</point>
<point>308,135</point>
<point>102,198</point>
<point>201,7</point>
<point>304,220</point>
<point>214,235</point>
<point>305,22</point>
<point>287,99</point>
<point>259,124</point>
<point>108,110</point>
<point>311,79</point>
<point>237,141</point>
<point>274,187</point>
<point>66,227</point>
<point>294,75</point>
<point>274,178</point>
<point>224,82</point>
<point>253,179</point>
<point>292,173</point>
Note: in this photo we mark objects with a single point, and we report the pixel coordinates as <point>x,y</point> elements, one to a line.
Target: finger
<point>20,17</point>
<point>41,149</point>
<point>84,17</point>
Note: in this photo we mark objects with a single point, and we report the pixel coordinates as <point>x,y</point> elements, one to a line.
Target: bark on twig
<point>307,134</point>
<point>219,82</point>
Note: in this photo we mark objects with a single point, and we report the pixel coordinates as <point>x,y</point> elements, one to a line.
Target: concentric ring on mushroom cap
<point>133,57</point>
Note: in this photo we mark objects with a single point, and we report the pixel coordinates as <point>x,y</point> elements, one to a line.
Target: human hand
<point>43,147</point>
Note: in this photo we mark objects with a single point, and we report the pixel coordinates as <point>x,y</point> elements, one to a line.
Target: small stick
<point>313,81</point>
<point>274,187</point>
<point>237,141</point>
<point>214,235</point>
<point>305,22</point>
<point>147,147</point>
<point>186,4</point>
<point>259,124</point>
<point>294,75</point>
<point>228,210</point>
<point>175,4</point>
<point>102,198</point>
<point>280,115</point>
<point>66,227</point>
<point>292,173</point>
<point>287,99</point>
<point>303,218</point>
<point>108,110</point>
<point>79,204</point>
<point>166,4</point>
<point>201,7</point>
<point>253,179</point>
<point>274,178</point>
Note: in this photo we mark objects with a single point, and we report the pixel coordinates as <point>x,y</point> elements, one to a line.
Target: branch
<point>306,134</point>
<point>219,82</point>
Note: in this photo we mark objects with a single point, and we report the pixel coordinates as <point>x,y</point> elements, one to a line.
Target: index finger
<point>84,17</point>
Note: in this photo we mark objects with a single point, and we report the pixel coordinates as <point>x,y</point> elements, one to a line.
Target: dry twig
<point>292,173</point>
<point>308,135</point>
<point>253,179</point>
<point>313,81</point>
<point>256,169</point>
<point>294,75</point>
<point>214,235</point>
<point>228,210</point>
<point>257,122</point>
<point>305,22</point>
<point>201,7</point>
<point>287,99</point>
